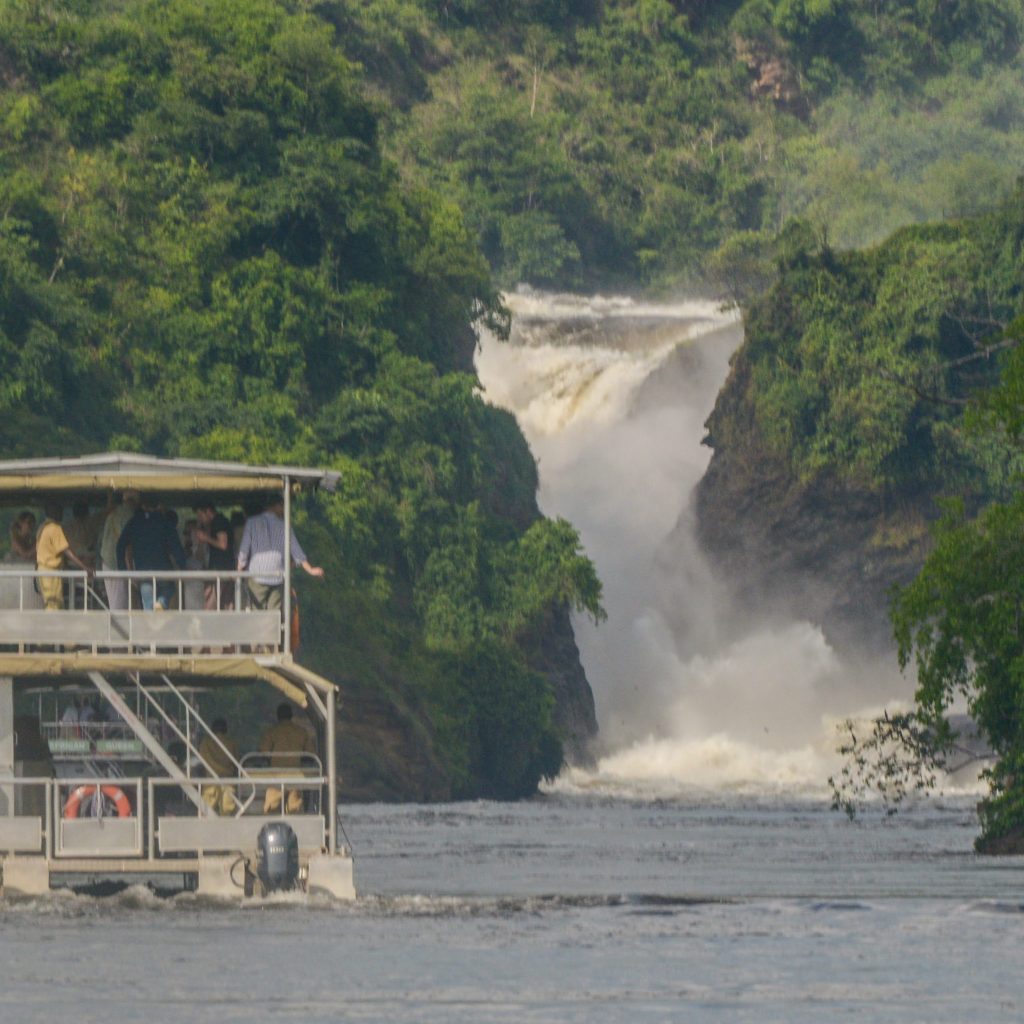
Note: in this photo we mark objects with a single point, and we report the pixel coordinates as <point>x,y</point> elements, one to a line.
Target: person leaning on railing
<point>155,547</point>
<point>262,553</point>
<point>52,548</point>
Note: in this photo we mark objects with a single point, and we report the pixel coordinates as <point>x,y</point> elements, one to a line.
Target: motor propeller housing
<point>277,857</point>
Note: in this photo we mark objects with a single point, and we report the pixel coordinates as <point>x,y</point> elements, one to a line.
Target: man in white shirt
<point>261,551</point>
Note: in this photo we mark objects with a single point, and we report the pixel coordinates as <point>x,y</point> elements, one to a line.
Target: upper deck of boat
<point>185,638</point>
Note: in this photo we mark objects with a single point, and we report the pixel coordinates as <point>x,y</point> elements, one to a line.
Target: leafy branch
<point>931,394</point>
<point>901,754</point>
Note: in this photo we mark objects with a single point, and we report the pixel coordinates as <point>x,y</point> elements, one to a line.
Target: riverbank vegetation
<point>204,252</point>
<point>895,374</point>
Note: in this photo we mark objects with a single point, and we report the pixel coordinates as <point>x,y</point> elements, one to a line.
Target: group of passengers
<point>89,712</point>
<point>287,743</point>
<point>136,533</point>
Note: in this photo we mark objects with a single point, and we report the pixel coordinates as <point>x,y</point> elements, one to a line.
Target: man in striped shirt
<point>262,553</point>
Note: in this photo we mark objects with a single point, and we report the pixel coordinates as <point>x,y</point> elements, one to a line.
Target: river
<point>566,908</point>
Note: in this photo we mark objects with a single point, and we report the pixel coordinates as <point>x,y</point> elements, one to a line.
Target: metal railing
<point>106,821</point>
<point>26,832</point>
<point>183,829</point>
<point>121,817</point>
<point>260,760</point>
<point>85,594</point>
<point>184,611</point>
<point>92,731</point>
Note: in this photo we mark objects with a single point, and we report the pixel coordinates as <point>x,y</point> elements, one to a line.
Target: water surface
<point>564,909</point>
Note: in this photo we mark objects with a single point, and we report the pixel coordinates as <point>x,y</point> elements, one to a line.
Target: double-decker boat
<point>132,791</point>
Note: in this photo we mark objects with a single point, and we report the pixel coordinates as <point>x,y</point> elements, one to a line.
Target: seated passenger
<point>215,752</point>
<point>70,718</point>
<point>286,742</point>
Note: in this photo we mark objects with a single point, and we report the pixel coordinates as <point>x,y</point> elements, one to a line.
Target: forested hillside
<point>665,142</point>
<point>203,252</point>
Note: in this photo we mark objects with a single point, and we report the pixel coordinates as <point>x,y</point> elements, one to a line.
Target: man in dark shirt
<point>215,532</point>
<point>155,547</point>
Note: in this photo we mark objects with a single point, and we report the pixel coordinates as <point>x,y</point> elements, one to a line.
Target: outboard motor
<point>277,857</point>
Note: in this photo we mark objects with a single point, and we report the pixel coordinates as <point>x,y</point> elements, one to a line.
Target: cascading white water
<point>612,395</point>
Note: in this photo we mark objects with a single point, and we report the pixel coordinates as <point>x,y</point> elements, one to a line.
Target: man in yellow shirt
<point>221,754</point>
<point>286,742</point>
<point>52,548</point>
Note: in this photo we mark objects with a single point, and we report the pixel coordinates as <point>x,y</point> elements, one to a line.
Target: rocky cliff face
<point>553,653</point>
<point>819,550</point>
<point>386,753</point>
<point>387,749</point>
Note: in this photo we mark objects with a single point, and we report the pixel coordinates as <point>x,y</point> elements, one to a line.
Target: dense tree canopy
<point>627,140</point>
<point>899,371</point>
<point>860,365</point>
<point>203,252</point>
<point>959,622</point>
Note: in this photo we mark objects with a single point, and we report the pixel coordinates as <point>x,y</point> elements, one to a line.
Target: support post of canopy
<point>6,743</point>
<point>332,776</point>
<point>287,603</point>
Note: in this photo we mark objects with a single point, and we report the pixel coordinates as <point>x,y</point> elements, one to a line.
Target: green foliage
<point>859,365</point>
<point>499,717</point>
<point>960,623</point>
<point>899,372</point>
<point>204,251</point>
<point>626,142</point>
<point>898,755</point>
<point>1003,407</point>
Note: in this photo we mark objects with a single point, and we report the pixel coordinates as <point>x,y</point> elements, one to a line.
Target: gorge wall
<point>824,551</point>
<point>843,423</point>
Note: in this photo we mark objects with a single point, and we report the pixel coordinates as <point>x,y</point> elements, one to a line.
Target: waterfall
<point>612,395</point>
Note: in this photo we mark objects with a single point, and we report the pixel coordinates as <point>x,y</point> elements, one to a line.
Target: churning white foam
<point>671,768</point>
<point>550,387</point>
<point>612,396</point>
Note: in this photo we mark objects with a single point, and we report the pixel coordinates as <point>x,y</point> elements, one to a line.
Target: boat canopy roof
<point>38,480</point>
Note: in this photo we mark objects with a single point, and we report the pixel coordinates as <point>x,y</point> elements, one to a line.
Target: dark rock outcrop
<point>385,753</point>
<point>820,550</point>
<point>553,653</point>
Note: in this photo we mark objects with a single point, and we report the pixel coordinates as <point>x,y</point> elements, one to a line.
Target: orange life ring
<point>120,800</point>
